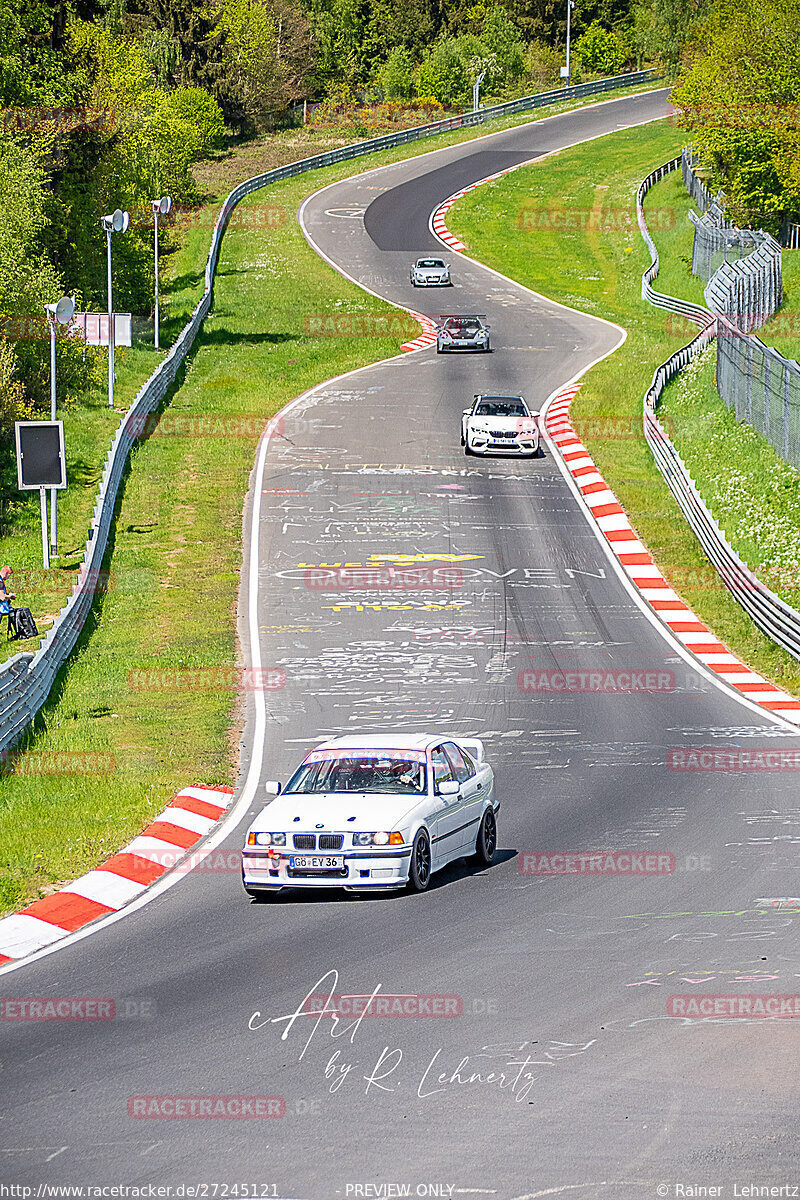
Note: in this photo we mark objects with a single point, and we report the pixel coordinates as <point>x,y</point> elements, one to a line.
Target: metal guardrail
<point>695,312</point>
<point>26,679</point>
<point>777,619</point>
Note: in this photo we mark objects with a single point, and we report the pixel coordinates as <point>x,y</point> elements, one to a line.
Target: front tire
<point>486,842</point>
<point>419,871</point>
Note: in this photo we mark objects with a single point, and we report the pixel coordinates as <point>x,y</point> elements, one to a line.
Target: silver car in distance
<point>374,812</point>
<point>462,333</point>
<point>500,425</point>
<point>431,272</point>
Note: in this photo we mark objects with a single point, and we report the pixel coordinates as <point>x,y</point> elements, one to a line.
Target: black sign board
<point>40,454</point>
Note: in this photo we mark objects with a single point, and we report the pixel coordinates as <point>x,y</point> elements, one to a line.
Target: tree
<point>13,405</point>
<point>28,281</point>
<point>738,95</point>
<point>600,50</point>
<point>661,29</point>
<point>503,48</point>
<point>147,151</point>
<point>32,70</point>
<point>191,27</point>
<point>443,74</point>
<point>339,28</point>
<point>397,75</point>
<point>265,56</point>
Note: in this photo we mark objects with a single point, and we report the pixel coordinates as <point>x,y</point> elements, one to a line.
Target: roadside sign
<point>40,455</point>
<point>93,327</point>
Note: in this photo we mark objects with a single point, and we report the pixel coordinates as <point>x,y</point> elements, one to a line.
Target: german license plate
<point>316,862</point>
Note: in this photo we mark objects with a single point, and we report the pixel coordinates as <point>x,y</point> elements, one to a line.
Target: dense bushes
<point>739,94</point>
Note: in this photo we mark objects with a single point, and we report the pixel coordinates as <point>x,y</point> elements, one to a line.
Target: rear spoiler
<point>473,747</point>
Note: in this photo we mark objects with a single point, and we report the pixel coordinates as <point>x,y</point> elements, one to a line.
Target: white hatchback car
<point>431,272</point>
<point>373,813</point>
<point>500,425</point>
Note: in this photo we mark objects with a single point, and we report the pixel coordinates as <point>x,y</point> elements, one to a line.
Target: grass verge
<point>596,266</point>
<point>128,709</point>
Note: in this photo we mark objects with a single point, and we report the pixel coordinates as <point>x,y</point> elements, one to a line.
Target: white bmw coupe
<point>500,425</point>
<point>374,813</point>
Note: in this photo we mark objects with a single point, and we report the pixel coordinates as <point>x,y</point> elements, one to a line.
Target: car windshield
<point>430,262</point>
<point>465,328</point>
<point>501,408</point>
<point>397,772</point>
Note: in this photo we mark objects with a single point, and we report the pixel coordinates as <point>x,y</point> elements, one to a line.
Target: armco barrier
<point>26,679</point>
<point>777,619</point>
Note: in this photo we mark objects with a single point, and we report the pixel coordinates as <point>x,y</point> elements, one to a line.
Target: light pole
<point>476,91</point>
<point>116,222</point>
<point>160,208</point>
<point>57,314</point>
<point>570,6</point>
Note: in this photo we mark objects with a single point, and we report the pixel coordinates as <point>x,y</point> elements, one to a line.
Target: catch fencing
<point>755,380</point>
<point>762,387</point>
<point>26,679</point>
<point>747,292</point>
<point>777,619</point>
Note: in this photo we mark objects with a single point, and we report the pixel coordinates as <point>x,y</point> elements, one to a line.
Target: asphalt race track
<point>587,1085</point>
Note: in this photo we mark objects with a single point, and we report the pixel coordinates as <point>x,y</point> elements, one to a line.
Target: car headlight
<point>445,336</point>
<point>381,838</point>
<point>266,839</point>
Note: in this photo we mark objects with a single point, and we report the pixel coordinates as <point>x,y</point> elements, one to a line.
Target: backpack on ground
<point>23,623</point>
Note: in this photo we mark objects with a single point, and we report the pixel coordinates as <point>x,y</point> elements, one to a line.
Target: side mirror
<point>466,412</point>
<point>448,787</point>
<point>272,787</point>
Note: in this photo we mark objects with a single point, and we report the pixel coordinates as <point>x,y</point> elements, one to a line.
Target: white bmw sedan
<point>374,813</point>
